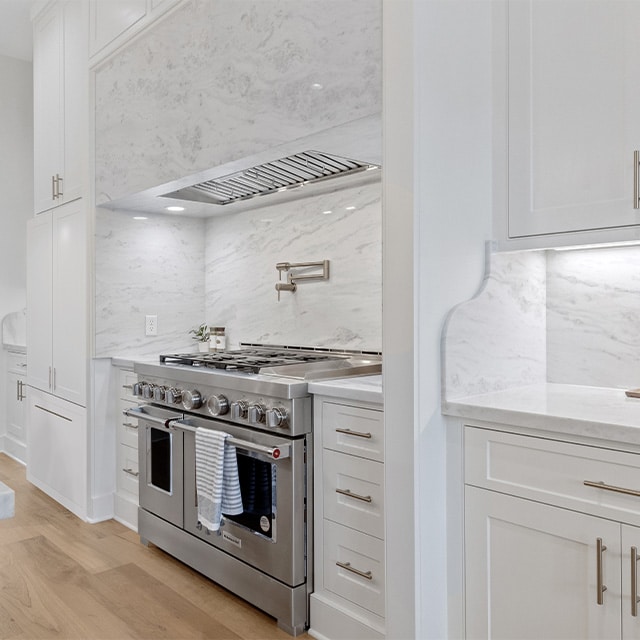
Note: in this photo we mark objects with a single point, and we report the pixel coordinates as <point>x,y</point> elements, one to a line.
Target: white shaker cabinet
<point>349,554</point>
<point>57,450</point>
<point>16,391</point>
<point>549,537</point>
<point>61,107</point>
<point>573,98</point>
<point>57,302</point>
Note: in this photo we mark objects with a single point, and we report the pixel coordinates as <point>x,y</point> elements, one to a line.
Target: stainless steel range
<point>257,395</point>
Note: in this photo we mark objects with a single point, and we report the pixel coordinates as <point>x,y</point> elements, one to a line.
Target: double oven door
<point>271,534</point>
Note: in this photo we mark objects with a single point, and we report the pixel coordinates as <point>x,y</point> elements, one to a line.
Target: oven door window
<point>258,489</point>
<point>160,459</point>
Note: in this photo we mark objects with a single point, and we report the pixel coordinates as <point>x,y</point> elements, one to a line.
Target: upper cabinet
<point>572,101</point>
<point>60,87</point>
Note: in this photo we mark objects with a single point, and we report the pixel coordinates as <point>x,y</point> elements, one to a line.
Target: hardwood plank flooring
<point>63,578</point>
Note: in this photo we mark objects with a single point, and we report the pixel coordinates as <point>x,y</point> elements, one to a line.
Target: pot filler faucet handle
<point>285,286</point>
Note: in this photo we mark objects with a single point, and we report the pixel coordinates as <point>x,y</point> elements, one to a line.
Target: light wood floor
<point>63,578</point>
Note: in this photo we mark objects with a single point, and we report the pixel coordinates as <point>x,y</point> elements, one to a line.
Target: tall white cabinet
<point>57,260</point>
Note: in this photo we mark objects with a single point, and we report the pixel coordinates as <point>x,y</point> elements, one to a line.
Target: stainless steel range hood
<point>297,170</point>
<point>345,155</point>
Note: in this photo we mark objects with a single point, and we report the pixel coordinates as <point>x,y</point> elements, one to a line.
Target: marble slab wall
<point>345,312</point>
<point>593,317</point>
<point>220,80</point>
<point>147,267</point>
<point>497,340</point>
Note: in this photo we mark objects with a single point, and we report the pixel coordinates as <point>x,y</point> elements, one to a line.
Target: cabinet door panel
<point>39,301</point>
<point>630,622</point>
<point>48,131</point>
<point>531,570</point>
<point>69,303</point>
<point>573,103</point>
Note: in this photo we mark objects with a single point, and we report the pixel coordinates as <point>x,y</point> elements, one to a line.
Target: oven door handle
<point>277,452</point>
<point>141,415</point>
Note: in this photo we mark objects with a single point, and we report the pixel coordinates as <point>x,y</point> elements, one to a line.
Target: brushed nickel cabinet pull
<point>350,494</point>
<point>53,413</point>
<point>130,425</point>
<point>610,487</point>
<point>131,472</point>
<point>58,181</point>
<point>53,187</point>
<point>349,432</point>
<point>347,565</point>
<point>601,588</point>
<point>54,379</point>
<point>636,179</point>
<point>18,390</point>
<point>49,377</point>
<point>634,582</point>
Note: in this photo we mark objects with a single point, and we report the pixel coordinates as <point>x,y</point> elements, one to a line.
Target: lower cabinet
<point>557,558</point>
<point>349,560</point>
<point>58,464</point>
<point>15,441</point>
<point>126,497</point>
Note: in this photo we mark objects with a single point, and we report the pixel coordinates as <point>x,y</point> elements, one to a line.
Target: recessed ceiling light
<point>316,85</point>
<point>175,208</point>
<point>140,217</point>
<point>327,212</point>
<point>350,208</point>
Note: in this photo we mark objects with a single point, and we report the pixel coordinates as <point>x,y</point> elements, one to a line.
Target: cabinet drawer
<point>354,492</point>
<point>125,386</point>
<point>17,362</point>
<point>127,470</point>
<point>127,426</point>
<point>555,472</point>
<point>357,554</point>
<point>353,430</point>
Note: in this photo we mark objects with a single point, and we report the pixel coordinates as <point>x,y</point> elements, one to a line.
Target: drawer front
<point>353,490</point>
<point>127,426</point>
<point>17,362</point>
<point>353,430</point>
<point>125,386</point>
<point>555,472</point>
<point>127,471</point>
<point>348,555</point>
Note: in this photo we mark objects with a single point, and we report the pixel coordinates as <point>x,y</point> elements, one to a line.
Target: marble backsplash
<point>345,311</point>
<point>222,271</point>
<point>593,317</point>
<point>147,267</point>
<point>567,317</point>
<point>496,340</point>
<point>223,80</point>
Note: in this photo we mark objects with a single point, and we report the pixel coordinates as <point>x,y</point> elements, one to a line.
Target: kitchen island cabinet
<point>571,97</point>
<point>349,527</point>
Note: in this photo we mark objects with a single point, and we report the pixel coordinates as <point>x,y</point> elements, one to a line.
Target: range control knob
<point>173,395</point>
<point>217,405</point>
<point>136,388</point>
<point>255,413</point>
<point>238,409</point>
<point>147,391</point>
<point>159,393</point>
<point>191,399</point>
<point>276,417</point>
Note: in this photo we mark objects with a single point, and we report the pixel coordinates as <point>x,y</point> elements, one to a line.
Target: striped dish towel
<point>217,482</point>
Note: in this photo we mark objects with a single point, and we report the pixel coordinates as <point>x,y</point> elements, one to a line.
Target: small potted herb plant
<point>202,334</point>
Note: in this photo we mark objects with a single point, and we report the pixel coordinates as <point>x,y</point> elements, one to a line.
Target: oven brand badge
<point>265,525</point>
<point>236,542</point>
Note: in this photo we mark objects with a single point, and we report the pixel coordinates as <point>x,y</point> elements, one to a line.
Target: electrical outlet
<point>151,326</point>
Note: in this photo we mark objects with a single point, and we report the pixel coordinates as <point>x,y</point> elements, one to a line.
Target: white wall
<point>437,163</point>
<point>16,181</point>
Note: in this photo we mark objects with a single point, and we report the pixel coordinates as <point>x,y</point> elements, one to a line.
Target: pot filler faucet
<point>307,272</point>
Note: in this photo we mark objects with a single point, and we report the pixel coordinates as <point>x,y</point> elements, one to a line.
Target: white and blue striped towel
<point>217,482</point>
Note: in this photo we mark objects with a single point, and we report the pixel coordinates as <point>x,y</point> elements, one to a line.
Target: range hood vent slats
<point>291,171</point>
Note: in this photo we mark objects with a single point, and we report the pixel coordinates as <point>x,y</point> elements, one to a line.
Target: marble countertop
<point>593,412</point>
<point>356,388</point>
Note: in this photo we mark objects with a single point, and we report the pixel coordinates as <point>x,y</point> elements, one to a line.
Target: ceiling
<point>15,29</point>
